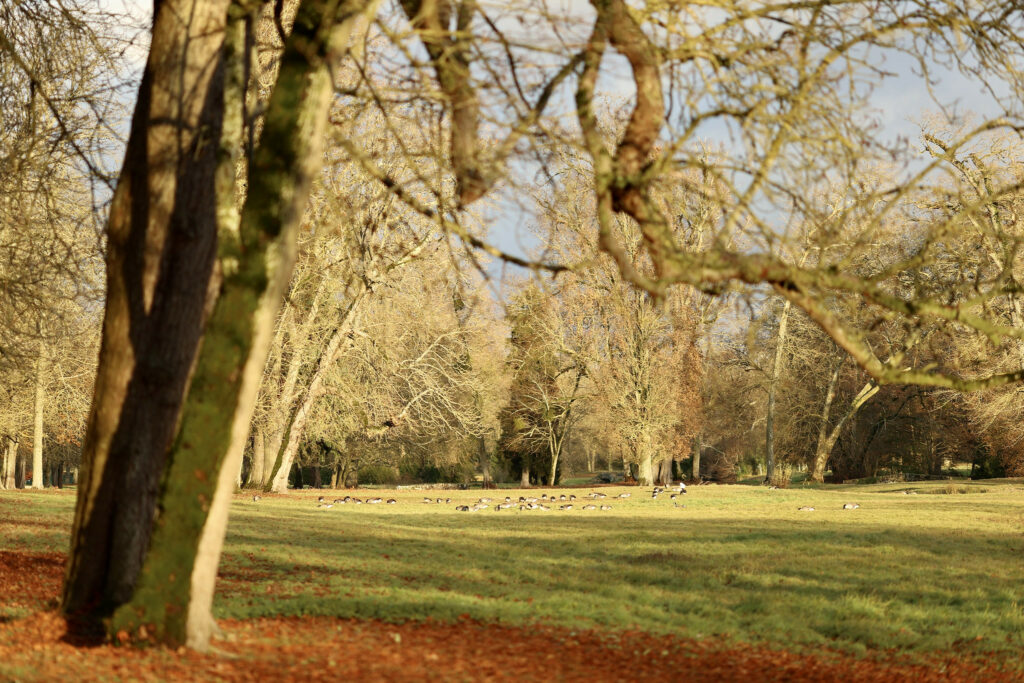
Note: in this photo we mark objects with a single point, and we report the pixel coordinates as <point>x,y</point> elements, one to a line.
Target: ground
<point>738,585</point>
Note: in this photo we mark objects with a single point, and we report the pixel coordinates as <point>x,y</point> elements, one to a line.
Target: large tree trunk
<point>769,422</point>
<point>181,566</point>
<point>664,476</point>
<point>37,428</point>
<point>161,250</point>
<point>524,477</point>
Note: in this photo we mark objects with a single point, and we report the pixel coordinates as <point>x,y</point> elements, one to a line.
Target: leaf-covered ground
<point>916,588</point>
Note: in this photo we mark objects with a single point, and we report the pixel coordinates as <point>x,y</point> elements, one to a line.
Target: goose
<point>623,495</point>
<point>508,499</point>
<point>590,507</point>
<point>339,501</point>
<point>543,507</point>
<point>673,496</point>
<point>572,497</point>
<point>682,487</point>
<point>806,508</point>
<point>480,506</point>
<point>505,506</point>
<point>428,500</point>
<point>257,498</point>
<point>320,499</point>
<point>356,501</point>
<point>325,506</point>
<point>392,501</point>
<point>448,501</point>
<point>851,506</point>
<point>374,500</point>
<point>562,497</point>
<point>606,507</point>
<point>462,508</point>
<point>566,507</point>
<point>484,500</point>
<point>438,501</point>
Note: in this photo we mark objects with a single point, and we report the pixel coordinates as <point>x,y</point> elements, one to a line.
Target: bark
<point>7,474</point>
<point>172,602</point>
<point>769,422</point>
<point>259,450</point>
<point>697,445</point>
<point>161,249</point>
<point>524,477</point>
<point>644,459</point>
<point>37,430</point>
<point>19,471</point>
<point>664,472</point>
<point>485,461</point>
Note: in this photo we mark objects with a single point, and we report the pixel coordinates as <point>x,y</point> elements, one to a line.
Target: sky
<point>897,104</point>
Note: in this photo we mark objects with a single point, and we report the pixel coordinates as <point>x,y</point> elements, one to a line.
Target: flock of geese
<point>543,502</point>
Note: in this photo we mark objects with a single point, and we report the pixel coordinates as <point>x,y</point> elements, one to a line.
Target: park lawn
<point>937,572</point>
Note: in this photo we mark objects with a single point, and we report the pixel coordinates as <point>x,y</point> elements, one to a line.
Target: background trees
<point>374,144</point>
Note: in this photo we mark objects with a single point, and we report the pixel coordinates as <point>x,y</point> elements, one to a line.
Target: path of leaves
<point>34,648</point>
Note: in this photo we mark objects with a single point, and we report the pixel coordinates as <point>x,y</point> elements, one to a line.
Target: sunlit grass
<point>917,573</point>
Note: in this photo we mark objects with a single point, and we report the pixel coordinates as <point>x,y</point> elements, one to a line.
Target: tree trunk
<point>161,249</point>
<point>485,461</point>
<point>296,424</point>
<point>164,235</point>
<point>524,477</point>
<point>697,446</point>
<point>7,475</point>
<point>19,471</point>
<point>827,439</point>
<point>645,476</point>
<point>769,422</point>
<point>665,472</point>
<point>37,430</point>
<point>259,450</point>
<point>257,259</point>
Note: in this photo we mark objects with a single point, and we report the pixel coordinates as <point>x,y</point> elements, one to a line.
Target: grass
<point>918,574</point>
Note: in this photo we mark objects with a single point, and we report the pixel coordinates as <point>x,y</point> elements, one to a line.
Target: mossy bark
<point>175,591</point>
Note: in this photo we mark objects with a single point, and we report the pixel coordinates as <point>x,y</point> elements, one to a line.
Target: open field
<point>922,578</point>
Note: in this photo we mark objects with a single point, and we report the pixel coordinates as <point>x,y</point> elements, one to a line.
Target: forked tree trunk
<point>175,592</point>
<point>37,430</point>
<point>295,427</point>
<point>827,439</point>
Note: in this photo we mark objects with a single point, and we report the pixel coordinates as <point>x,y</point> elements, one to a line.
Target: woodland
<point>254,247</point>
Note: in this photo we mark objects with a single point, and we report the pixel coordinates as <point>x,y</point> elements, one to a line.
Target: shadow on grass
<point>787,582</point>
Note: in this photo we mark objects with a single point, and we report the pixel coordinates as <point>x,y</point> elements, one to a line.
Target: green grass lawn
<point>938,571</point>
